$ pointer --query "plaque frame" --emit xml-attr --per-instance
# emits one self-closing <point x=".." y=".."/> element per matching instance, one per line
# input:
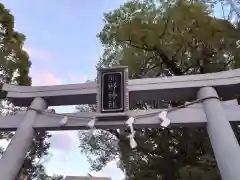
<point x="99" y="101"/>
<point x="122" y="93"/>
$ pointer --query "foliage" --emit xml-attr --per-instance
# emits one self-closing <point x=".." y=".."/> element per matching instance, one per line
<point x="170" y="38"/>
<point x="14" y="61"/>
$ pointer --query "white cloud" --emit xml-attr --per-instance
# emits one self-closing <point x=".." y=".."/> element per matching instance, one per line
<point x="64" y="140"/>
<point x="48" y="77"/>
<point x="38" y="54"/>
<point x="111" y="170"/>
<point x="67" y="159"/>
<point x="45" y="79"/>
<point x="76" y="78"/>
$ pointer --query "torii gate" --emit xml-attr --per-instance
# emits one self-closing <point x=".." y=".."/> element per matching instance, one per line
<point x="211" y="112"/>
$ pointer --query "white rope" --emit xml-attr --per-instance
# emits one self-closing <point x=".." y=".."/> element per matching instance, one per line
<point x="162" y="116"/>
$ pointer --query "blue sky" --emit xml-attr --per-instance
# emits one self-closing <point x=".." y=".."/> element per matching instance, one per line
<point x="63" y="48"/>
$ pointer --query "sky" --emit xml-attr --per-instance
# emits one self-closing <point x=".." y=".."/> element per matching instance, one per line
<point x="63" y="47"/>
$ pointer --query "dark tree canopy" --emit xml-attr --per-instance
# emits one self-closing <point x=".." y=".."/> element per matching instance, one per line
<point x="168" y="38"/>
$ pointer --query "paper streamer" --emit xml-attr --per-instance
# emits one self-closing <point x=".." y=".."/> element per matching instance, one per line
<point x="165" y="120"/>
<point x="131" y="137"/>
<point x="64" y="121"/>
<point x="133" y="143"/>
<point x="91" y="125"/>
<point x="238" y="43"/>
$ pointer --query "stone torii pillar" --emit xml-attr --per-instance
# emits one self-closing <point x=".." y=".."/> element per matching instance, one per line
<point x="224" y="143"/>
<point x="13" y="158"/>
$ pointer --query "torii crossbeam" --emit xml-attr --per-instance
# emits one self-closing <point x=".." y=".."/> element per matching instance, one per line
<point x="212" y="113"/>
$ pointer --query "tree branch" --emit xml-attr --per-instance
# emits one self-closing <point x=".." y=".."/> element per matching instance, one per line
<point x="165" y="27"/>
<point x="173" y="67"/>
<point x="187" y="69"/>
<point x="177" y="51"/>
<point x="228" y="63"/>
<point x="169" y="63"/>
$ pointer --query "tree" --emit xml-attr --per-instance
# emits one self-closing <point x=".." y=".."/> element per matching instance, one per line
<point x="170" y="38"/>
<point x="14" y="69"/>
